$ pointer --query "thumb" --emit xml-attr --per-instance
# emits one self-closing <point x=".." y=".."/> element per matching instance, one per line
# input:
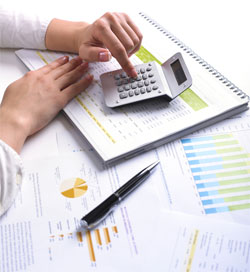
<point x="92" y="53"/>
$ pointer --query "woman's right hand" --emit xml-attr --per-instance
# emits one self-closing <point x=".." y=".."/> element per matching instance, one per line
<point x="32" y="101"/>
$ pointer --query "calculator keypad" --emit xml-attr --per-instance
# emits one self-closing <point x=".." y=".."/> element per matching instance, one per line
<point x="145" y="82"/>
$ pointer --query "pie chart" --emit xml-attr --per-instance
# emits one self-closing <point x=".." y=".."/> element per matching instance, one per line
<point x="73" y="187"/>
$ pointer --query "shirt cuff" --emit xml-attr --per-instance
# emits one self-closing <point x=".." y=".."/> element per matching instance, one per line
<point x="12" y="173"/>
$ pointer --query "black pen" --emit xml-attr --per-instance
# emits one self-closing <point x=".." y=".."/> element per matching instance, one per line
<point x="93" y="218"/>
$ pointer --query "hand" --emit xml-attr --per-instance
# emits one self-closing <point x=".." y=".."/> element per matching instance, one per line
<point x="31" y="102"/>
<point x="113" y="34"/>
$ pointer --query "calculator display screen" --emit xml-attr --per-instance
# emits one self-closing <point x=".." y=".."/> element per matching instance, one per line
<point x="178" y="72"/>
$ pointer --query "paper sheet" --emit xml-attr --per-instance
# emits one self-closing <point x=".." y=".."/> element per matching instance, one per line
<point x="41" y="231"/>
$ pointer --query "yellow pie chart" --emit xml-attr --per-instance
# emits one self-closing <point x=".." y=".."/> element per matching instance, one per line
<point x="73" y="187"/>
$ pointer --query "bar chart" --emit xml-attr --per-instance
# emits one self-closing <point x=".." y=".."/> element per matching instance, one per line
<point x="220" y="167"/>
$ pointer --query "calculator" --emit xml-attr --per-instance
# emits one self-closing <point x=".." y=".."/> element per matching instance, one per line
<point x="153" y="80"/>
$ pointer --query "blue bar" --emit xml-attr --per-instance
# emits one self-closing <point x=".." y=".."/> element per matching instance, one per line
<point x="207" y="168"/>
<point x="208" y="193"/>
<point x="191" y="147"/>
<point x="207" y="185"/>
<point x="208" y="176"/>
<point x="212" y="201"/>
<point x="216" y="210"/>
<point x="202" y="153"/>
<point x="208" y="160"/>
<point x="193" y="140"/>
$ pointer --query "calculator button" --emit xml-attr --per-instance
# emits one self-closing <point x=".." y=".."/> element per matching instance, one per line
<point x="142" y="90"/>
<point x="131" y="80"/>
<point x="144" y="76"/>
<point x="148" y="89"/>
<point x="140" y="84"/>
<point x="138" y="78"/>
<point x="134" y="86"/>
<point x="118" y="82"/>
<point x="123" y="75"/>
<point x="123" y="95"/>
<point x="142" y="70"/>
<point x="131" y="93"/>
<point x="127" y="88"/>
<point x="125" y="81"/>
<point x="137" y="92"/>
<point x="146" y="82"/>
<point x="155" y="87"/>
<point x="120" y="89"/>
<point x="150" y="74"/>
<point x="152" y="81"/>
<point x="117" y="76"/>
<point x="149" y="69"/>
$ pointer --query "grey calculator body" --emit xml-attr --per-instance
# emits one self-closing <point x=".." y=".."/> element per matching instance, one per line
<point x="153" y="80"/>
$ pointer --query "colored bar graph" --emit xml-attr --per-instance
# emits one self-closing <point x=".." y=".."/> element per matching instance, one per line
<point x="115" y="230"/>
<point x="90" y="247"/>
<point x="79" y="236"/>
<point x="221" y="172"/>
<point x="106" y="235"/>
<point x="98" y="237"/>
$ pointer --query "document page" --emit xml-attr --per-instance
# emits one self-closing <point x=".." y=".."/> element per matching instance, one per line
<point x="116" y="132"/>
<point x="42" y="232"/>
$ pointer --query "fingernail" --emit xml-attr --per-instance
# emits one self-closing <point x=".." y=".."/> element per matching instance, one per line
<point x="63" y="59"/>
<point x="104" y="56"/>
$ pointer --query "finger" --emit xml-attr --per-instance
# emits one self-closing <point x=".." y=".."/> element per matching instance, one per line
<point x="53" y="65"/>
<point x="92" y="53"/>
<point x="134" y="27"/>
<point x="116" y="48"/>
<point x="126" y="35"/>
<point x="73" y="90"/>
<point x="63" y="69"/>
<point x="71" y="77"/>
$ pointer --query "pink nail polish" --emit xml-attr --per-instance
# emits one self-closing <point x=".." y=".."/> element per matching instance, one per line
<point x="63" y="59"/>
<point x="104" y="56"/>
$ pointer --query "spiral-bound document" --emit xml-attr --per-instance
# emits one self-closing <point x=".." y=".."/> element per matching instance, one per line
<point x="125" y="131"/>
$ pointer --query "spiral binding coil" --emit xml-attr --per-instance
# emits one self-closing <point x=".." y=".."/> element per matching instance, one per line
<point x="195" y="56"/>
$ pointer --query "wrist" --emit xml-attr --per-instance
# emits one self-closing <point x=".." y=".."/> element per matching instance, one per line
<point x="64" y="35"/>
<point x="12" y="130"/>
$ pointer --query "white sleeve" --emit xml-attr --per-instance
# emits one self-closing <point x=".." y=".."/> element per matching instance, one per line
<point x="19" y="30"/>
<point x="11" y="175"/>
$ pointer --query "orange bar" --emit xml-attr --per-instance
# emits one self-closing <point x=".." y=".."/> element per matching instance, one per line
<point x="90" y="246"/>
<point x="106" y="235"/>
<point x="79" y="236"/>
<point x="98" y="237"/>
<point x="115" y="230"/>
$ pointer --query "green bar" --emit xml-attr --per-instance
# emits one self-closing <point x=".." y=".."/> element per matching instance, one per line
<point x="234" y="190"/>
<point x="236" y="198"/>
<point x="234" y="181"/>
<point x="236" y="164"/>
<point x="193" y="100"/>
<point x="229" y="150"/>
<point x="226" y="143"/>
<point x="236" y="157"/>
<point x="239" y="207"/>
<point x="232" y="173"/>
<point x="225" y="136"/>
<point x="145" y="56"/>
